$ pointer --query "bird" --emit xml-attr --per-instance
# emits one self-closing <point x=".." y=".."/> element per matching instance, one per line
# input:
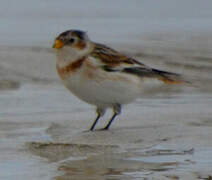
<point x="102" y="76"/>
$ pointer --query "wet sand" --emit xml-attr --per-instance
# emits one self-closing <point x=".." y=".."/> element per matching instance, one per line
<point x="164" y="135"/>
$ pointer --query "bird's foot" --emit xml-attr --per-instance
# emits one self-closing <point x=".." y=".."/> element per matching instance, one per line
<point x="86" y="131"/>
<point x="103" y="129"/>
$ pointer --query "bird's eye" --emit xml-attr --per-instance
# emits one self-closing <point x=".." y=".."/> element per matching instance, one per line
<point x="72" y="40"/>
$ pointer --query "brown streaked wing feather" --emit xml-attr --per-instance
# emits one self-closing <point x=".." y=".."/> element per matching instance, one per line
<point x="111" y="57"/>
<point x="166" y="77"/>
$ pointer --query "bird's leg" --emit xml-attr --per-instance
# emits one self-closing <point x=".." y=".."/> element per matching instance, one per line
<point x="100" y="112"/>
<point x="117" y="111"/>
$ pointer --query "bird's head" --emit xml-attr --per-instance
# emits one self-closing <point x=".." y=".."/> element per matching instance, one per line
<point x="73" y="43"/>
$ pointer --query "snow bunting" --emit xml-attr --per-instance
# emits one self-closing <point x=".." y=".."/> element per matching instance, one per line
<point x="101" y="76"/>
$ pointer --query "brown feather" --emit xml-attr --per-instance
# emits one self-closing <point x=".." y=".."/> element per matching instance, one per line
<point x="113" y="59"/>
<point x="72" y="67"/>
<point x="80" y="45"/>
<point x="110" y="56"/>
<point x="171" y="81"/>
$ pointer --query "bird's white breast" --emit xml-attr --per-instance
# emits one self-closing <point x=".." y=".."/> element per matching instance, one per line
<point x="95" y="86"/>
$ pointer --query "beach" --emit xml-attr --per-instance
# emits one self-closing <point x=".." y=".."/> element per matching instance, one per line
<point x="166" y="134"/>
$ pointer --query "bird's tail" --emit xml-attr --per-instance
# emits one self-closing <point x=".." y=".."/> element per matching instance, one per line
<point x="170" y="78"/>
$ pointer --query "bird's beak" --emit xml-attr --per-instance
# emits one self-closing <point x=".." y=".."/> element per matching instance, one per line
<point x="58" y="44"/>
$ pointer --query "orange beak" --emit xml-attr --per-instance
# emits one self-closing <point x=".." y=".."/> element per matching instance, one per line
<point x="58" y="44"/>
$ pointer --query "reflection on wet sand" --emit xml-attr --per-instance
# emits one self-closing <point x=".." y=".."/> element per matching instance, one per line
<point x="109" y="167"/>
<point x="78" y="161"/>
<point x="93" y="161"/>
<point x="59" y="151"/>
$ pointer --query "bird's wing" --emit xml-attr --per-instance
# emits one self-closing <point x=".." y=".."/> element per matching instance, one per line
<point x="112" y="61"/>
<point x="111" y="57"/>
